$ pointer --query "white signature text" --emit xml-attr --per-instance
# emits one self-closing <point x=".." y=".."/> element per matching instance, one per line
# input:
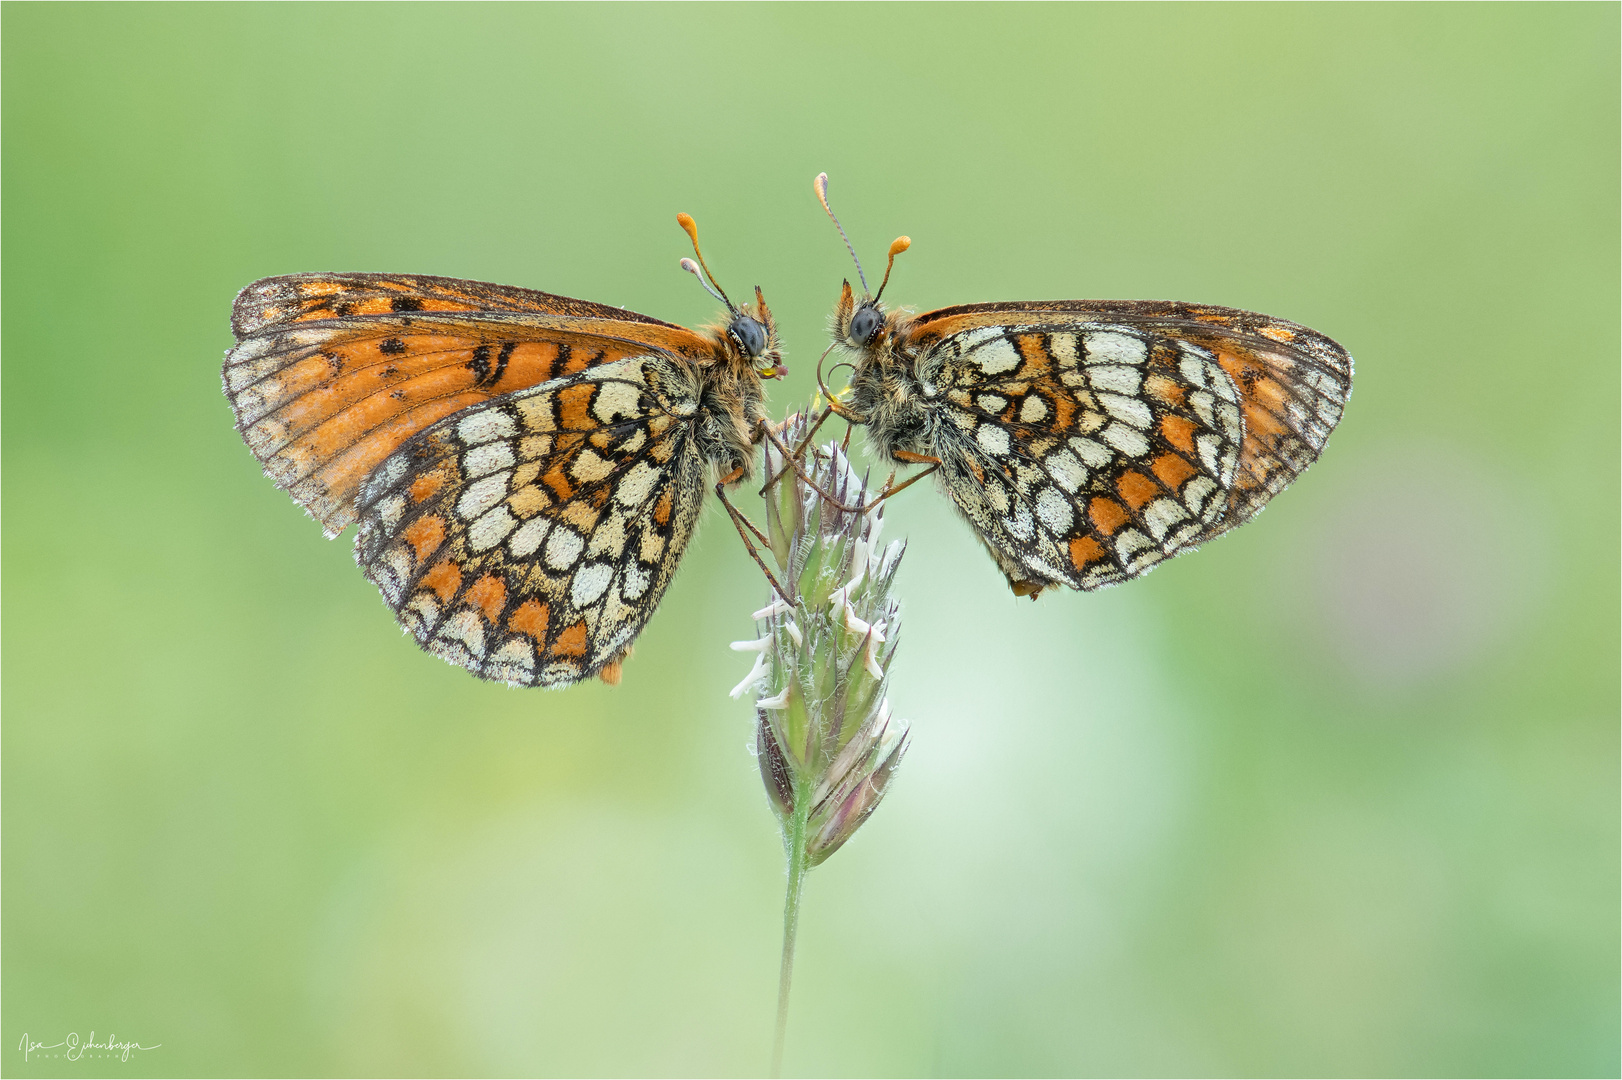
<point x="76" y="1048"/>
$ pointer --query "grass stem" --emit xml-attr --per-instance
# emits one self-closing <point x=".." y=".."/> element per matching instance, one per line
<point x="791" y="921"/>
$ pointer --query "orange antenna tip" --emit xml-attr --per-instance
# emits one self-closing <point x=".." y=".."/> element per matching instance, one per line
<point x="690" y="227"/>
<point x="900" y="244"/>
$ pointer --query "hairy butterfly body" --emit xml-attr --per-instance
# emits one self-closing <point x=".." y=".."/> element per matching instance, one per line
<point x="526" y="469"/>
<point x="1087" y="441"/>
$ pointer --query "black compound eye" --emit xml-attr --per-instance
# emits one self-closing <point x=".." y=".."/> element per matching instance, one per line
<point x="749" y="334"/>
<point x="864" y="326"/>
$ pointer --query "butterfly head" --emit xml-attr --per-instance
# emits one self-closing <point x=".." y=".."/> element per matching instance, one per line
<point x="863" y="324"/>
<point x="751" y="333"/>
<point x="859" y="324"/>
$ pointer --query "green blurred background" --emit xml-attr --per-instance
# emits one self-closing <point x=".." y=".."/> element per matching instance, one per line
<point x="1336" y="795"/>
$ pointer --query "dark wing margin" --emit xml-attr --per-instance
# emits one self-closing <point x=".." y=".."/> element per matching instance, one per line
<point x="295" y="298"/>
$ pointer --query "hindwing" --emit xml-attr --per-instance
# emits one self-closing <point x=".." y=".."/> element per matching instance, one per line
<point x="530" y="538"/>
<point x="1088" y="441"/>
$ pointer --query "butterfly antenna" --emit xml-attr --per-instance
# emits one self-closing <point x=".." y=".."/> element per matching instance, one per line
<point x="714" y="287"/>
<point x="900" y="244"/>
<point x="821" y="184"/>
<point x="692" y="268"/>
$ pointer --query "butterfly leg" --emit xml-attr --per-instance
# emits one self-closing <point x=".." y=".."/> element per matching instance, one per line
<point x="805" y="442"/>
<point x="794" y="463"/>
<point x="738" y="522"/>
<point x="764" y="431"/>
<point x="892" y="488"/>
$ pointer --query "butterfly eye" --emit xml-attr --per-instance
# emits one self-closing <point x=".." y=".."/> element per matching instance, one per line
<point x="749" y="334"/>
<point x="864" y="327"/>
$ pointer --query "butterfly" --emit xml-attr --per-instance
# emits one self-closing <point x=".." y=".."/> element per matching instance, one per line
<point x="526" y="469"/>
<point x="1086" y="441"/>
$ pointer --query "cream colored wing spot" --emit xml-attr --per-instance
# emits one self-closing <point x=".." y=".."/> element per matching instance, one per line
<point x="995" y="356"/>
<point x="635" y="486"/>
<point x="563" y="547"/>
<point x="485" y="425"/>
<point x="589" y="583"/>
<point x="1069" y="473"/>
<point x="617" y="400"/>
<point x="1161" y="515"/>
<point x="1020" y="522"/>
<point x="992" y="439"/>
<point x="609" y="537"/>
<point x="1095" y="454"/>
<point x="488" y="458"/>
<point x="482" y="495"/>
<point x="1055" y="511"/>
<point x="1127" y="439"/>
<point x="528" y="536"/>
<point x="1116" y="379"/>
<point x="1063" y="347"/>
<point x="1127" y="409"/>
<point x="590" y="468"/>
<point x="636" y="582"/>
<point x="1110" y="347"/>
<point x="490" y="529"/>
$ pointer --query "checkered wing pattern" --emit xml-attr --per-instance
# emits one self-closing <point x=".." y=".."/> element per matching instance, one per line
<point x="529" y="538"/>
<point x="1086" y="444"/>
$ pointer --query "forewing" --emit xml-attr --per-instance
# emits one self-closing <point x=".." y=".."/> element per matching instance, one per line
<point x="1095" y="440"/>
<point x="297" y="298"/>
<point x="529" y="538"/>
<point x="322" y="402"/>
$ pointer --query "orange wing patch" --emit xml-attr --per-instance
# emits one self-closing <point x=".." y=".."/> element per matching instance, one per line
<point x="443" y="580"/>
<point x="489" y="595"/>
<point x="425" y="535"/>
<point x="1292" y="395"/>
<point x="530" y="618"/>
<point x="1086" y="552"/>
<point x="322" y="404"/>
<point x="1107" y="515"/>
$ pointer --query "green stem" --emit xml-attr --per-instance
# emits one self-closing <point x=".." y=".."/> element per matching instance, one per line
<point x="791" y="918"/>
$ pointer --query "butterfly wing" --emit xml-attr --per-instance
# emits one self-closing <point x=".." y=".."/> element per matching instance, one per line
<point x="296" y="298"/>
<point x="530" y="537"/>
<point x="332" y="372"/>
<point x="1087" y="441"/>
